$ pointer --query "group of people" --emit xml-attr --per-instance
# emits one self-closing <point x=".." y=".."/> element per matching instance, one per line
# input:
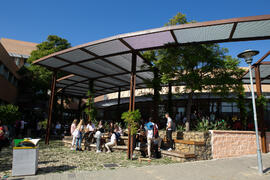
<point x="153" y="137"/>
<point x="91" y="133"/>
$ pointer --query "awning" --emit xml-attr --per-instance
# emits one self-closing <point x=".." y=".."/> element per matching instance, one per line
<point x="108" y="61"/>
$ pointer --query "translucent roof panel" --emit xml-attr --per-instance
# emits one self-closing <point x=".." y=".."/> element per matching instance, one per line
<point x="208" y="33"/>
<point x="103" y="67"/>
<point x="78" y="88"/>
<point x="146" y="75"/>
<point x="252" y="29"/>
<point x="82" y="85"/>
<point x="53" y="62"/>
<point x="76" y="55"/>
<point x="82" y="71"/>
<point x="109" y="47"/>
<point x="66" y="81"/>
<point x="150" y="40"/>
<point x="123" y="60"/>
<point x="59" y="85"/>
<point x="264" y="71"/>
<point x="104" y="85"/>
<point x="114" y="81"/>
<point x="77" y="78"/>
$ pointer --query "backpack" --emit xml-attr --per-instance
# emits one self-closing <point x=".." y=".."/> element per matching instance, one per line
<point x="155" y="131"/>
<point x="117" y="135"/>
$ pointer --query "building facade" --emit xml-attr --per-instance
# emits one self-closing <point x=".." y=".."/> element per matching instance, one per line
<point x="13" y="56"/>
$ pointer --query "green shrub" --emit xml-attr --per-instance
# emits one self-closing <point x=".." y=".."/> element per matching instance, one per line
<point x="9" y="113"/>
<point x="206" y="125"/>
<point x="132" y="119"/>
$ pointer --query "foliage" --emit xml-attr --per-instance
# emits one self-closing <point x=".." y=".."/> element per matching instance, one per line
<point x="201" y="67"/>
<point x="220" y="125"/>
<point x="205" y="125"/>
<point x="180" y="128"/>
<point x="132" y="118"/>
<point x="90" y="109"/>
<point x="43" y="123"/>
<point x="9" y="114"/>
<point x="261" y="101"/>
<point x="40" y="76"/>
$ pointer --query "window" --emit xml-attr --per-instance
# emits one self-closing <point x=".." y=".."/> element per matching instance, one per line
<point x="2" y="69"/>
<point x="229" y="107"/>
<point x="213" y="107"/>
<point x="17" y="61"/>
<point x="268" y="107"/>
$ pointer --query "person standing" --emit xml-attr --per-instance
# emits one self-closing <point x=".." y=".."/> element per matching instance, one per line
<point x="169" y="131"/>
<point x="72" y="129"/>
<point x="78" y="133"/>
<point x="149" y="134"/>
<point x="98" y="135"/>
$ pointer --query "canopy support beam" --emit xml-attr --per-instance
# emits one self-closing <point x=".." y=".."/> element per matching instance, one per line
<point x="118" y="103"/>
<point x="91" y="96"/>
<point x="51" y="101"/>
<point x="261" y="109"/>
<point x="132" y="101"/>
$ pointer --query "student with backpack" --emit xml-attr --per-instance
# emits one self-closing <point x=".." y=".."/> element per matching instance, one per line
<point x="149" y="127"/>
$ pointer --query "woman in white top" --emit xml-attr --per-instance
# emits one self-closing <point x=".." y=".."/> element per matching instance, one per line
<point x="78" y="134"/>
<point x="72" y="129"/>
<point x="111" y="143"/>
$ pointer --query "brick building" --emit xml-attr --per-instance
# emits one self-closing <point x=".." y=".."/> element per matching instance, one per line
<point x="13" y="55"/>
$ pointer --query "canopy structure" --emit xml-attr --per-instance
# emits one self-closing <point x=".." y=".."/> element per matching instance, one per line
<point x="115" y="63"/>
<point x="108" y="61"/>
<point x="260" y="75"/>
<point x="260" y="72"/>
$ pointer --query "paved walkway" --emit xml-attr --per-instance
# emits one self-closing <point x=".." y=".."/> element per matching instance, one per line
<point x="228" y="169"/>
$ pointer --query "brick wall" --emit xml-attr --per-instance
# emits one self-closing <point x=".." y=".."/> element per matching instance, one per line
<point x="234" y="143"/>
<point x="268" y="141"/>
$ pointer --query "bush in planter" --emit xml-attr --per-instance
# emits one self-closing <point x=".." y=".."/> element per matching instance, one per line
<point x="206" y="125"/>
<point x="132" y="118"/>
<point x="180" y="129"/>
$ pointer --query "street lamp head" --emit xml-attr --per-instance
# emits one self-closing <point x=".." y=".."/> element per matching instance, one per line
<point x="248" y="55"/>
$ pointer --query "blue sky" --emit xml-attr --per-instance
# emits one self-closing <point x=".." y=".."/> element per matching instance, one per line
<point x="83" y="21"/>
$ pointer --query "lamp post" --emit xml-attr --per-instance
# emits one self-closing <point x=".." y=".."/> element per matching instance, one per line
<point x="248" y="56"/>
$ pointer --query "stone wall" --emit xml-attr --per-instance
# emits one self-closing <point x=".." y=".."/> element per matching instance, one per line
<point x="234" y="143"/>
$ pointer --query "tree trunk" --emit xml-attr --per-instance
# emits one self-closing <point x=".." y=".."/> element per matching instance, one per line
<point x="189" y="105"/>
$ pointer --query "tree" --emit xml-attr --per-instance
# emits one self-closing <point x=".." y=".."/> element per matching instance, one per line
<point x="40" y="76"/>
<point x="154" y="83"/>
<point x="201" y="67"/>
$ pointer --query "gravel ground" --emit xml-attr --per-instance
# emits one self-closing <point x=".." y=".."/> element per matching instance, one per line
<point x="58" y="158"/>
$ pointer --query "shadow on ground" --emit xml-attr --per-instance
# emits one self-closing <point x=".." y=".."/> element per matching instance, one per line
<point x="267" y="170"/>
<point x="47" y="162"/>
<point x="53" y="169"/>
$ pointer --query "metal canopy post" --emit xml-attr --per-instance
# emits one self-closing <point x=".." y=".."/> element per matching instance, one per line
<point x="91" y="89"/>
<point x="170" y="99"/>
<point x="132" y="101"/>
<point x="118" y="103"/>
<point x="261" y="109"/>
<point x="79" y="109"/>
<point x="156" y="97"/>
<point x="51" y="101"/>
